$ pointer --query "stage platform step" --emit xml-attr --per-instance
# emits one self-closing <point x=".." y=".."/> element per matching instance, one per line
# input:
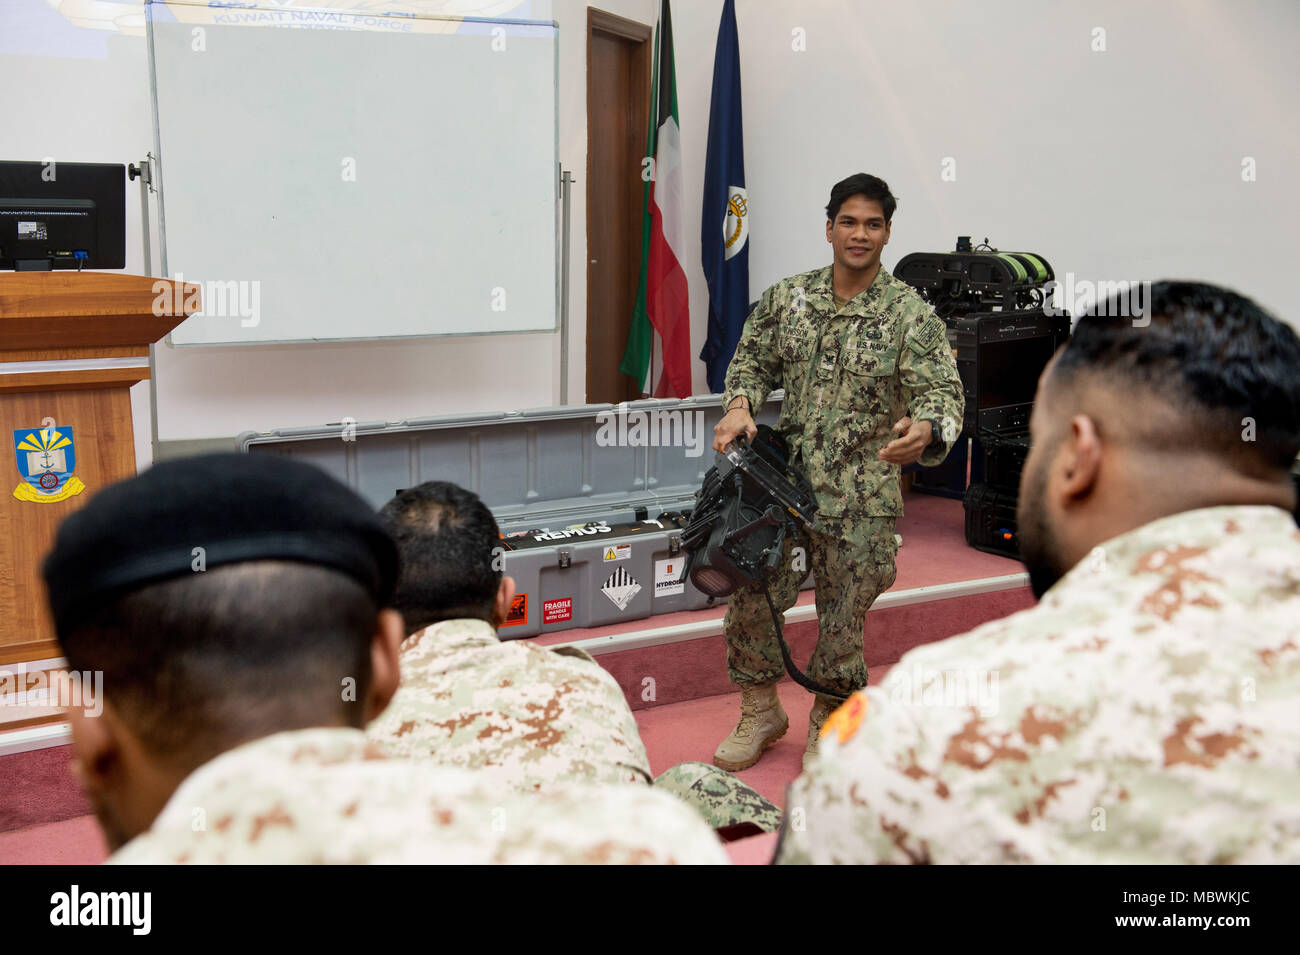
<point x="686" y="660"/>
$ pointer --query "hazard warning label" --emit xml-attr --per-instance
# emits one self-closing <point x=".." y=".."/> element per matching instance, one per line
<point x="518" y="613"/>
<point x="557" y="610"/>
<point x="666" y="574"/>
<point x="620" y="587"/>
<point x="618" y="552"/>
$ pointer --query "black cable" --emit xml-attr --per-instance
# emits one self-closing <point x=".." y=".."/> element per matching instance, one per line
<point x="796" y="674"/>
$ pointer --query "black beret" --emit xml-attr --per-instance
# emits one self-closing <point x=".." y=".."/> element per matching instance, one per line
<point x="237" y="507"/>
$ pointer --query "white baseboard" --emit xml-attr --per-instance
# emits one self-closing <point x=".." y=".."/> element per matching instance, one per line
<point x="29" y="738"/>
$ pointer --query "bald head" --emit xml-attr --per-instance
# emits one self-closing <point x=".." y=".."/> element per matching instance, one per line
<point x="1195" y="404"/>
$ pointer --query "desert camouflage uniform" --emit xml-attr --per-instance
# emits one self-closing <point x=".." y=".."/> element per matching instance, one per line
<point x="526" y="715"/>
<point x="530" y="717"/>
<point x="324" y="796"/>
<point x="1146" y="711"/>
<point x="849" y="373"/>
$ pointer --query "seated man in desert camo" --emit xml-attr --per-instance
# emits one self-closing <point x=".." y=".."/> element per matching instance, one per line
<point x="239" y="609"/>
<point x="525" y="715"/>
<point x="1147" y="710"/>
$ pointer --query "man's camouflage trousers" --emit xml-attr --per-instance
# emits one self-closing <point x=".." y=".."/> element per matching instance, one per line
<point x="852" y="561"/>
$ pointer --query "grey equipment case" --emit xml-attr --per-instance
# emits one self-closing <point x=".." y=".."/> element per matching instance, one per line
<point x="605" y="491"/>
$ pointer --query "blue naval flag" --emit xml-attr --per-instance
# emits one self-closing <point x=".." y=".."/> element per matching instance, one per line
<point x="724" y="228"/>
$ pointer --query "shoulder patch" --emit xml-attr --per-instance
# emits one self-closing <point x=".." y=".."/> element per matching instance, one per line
<point x="929" y="332"/>
<point x="845" y="721"/>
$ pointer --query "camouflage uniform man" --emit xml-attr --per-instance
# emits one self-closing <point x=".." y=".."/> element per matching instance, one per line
<point x="238" y="610"/>
<point x="863" y="360"/>
<point x="1146" y="711"/>
<point x="247" y="807"/>
<point x="528" y="717"/>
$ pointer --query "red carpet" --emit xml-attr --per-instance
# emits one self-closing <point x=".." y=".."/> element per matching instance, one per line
<point x="72" y="842"/>
<point x="39" y="788"/>
<point x="692" y="730"/>
<point x="756" y="850"/>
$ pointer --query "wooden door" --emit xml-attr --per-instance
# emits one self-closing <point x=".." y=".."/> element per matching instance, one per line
<point x="618" y="109"/>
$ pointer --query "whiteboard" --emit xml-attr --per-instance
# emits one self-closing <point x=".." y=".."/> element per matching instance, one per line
<point x="359" y="177"/>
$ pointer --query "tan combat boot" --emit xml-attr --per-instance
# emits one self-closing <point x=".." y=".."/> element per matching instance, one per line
<point x="822" y="708"/>
<point x="762" y="723"/>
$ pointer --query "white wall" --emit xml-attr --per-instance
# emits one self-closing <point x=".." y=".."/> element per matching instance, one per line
<point x="1123" y="164"/>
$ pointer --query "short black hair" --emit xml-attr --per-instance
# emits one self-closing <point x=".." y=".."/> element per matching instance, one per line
<point x="198" y="664"/>
<point x="1213" y="354"/>
<point x="862" y="184"/>
<point x="449" y="543"/>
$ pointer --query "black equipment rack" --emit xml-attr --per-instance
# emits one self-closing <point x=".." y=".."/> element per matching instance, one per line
<point x="1003" y="329"/>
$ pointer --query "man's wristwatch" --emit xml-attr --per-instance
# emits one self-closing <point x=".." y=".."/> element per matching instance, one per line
<point x="936" y="434"/>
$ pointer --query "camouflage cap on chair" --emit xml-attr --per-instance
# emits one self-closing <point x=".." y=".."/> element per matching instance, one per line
<point x="720" y="797"/>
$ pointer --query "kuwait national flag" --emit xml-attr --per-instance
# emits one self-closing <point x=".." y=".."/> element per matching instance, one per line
<point x="724" y="228"/>
<point x="661" y="298"/>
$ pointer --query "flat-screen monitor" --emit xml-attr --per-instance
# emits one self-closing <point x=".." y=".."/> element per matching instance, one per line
<point x="62" y="215"/>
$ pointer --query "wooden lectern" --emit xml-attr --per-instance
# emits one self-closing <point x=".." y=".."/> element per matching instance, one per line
<point x="71" y="346"/>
